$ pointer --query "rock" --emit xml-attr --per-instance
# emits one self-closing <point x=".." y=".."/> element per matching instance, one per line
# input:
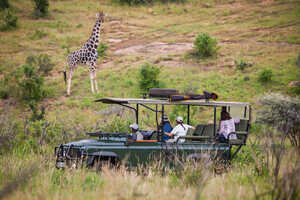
<point x="207" y="5"/>
<point x="294" y="83"/>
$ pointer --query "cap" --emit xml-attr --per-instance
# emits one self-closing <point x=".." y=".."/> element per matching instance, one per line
<point x="165" y="118"/>
<point x="179" y="119"/>
<point x="134" y="126"/>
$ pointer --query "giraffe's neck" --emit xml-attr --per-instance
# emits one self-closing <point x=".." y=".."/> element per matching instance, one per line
<point x="95" y="37"/>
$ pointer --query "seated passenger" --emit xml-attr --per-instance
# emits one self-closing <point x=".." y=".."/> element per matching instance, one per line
<point x="136" y="134"/>
<point x="166" y="128"/>
<point x="227" y="126"/>
<point x="179" y="130"/>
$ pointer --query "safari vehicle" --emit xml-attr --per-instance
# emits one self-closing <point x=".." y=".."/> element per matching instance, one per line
<point x="115" y="148"/>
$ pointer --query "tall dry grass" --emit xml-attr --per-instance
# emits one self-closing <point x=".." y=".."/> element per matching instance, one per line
<point x="273" y="173"/>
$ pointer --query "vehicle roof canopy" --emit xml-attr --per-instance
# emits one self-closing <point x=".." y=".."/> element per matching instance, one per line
<point x="167" y="102"/>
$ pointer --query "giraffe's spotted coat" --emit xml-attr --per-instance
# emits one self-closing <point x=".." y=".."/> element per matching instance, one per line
<point x="86" y="55"/>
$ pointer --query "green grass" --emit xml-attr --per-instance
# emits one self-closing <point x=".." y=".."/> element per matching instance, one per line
<point x="268" y="35"/>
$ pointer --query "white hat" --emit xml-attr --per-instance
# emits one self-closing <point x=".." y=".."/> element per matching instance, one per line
<point x="134" y="126"/>
<point x="179" y="119"/>
<point x="165" y="118"/>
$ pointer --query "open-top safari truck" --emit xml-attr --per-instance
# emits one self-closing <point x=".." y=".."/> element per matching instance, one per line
<point x="114" y="148"/>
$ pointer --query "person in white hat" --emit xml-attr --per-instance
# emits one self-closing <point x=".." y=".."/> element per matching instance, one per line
<point x="136" y="135"/>
<point x="179" y="130"/>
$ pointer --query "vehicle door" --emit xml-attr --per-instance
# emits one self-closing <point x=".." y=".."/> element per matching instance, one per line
<point x="140" y="153"/>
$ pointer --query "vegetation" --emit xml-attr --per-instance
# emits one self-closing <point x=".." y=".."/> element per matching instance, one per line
<point x="41" y="8"/>
<point x="4" y="4"/>
<point x="9" y="21"/>
<point x="102" y="49"/>
<point x="242" y="64"/>
<point x="138" y="2"/>
<point x="283" y="113"/>
<point x="156" y="33"/>
<point x="265" y="76"/>
<point x="149" y="77"/>
<point x="42" y="62"/>
<point x="205" y="46"/>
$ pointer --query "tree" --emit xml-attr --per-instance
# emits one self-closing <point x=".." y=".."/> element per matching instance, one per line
<point x="283" y="113"/>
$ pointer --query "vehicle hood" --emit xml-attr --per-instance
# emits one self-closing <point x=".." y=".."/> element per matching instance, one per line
<point x="82" y="142"/>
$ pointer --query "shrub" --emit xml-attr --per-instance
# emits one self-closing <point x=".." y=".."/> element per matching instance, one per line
<point x="148" y="77"/>
<point x="101" y="49"/>
<point x="265" y="75"/>
<point x="38" y="35"/>
<point x="43" y="62"/>
<point x="31" y="85"/>
<point x="41" y="8"/>
<point x="242" y="64"/>
<point x="36" y="114"/>
<point x="4" y="4"/>
<point x="282" y="113"/>
<point x="10" y="21"/>
<point x="4" y="89"/>
<point x="298" y="61"/>
<point x="137" y="2"/>
<point x="205" y="46"/>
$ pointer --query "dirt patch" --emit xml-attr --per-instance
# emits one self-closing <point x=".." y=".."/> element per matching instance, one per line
<point x="156" y="47"/>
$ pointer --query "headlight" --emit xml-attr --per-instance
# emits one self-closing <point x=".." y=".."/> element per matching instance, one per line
<point x="60" y="164"/>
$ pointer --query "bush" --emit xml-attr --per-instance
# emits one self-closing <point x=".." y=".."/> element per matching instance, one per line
<point x="242" y="64"/>
<point x="148" y="77"/>
<point x="38" y="35"/>
<point x="298" y="61"/>
<point x="31" y="85"/>
<point x="265" y="75"/>
<point x="4" y="4"/>
<point x="101" y="49"/>
<point x="282" y="113"/>
<point x="138" y="2"/>
<point x="42" y="62"/>
<point x="10" y="21"/>
<point x="205" y="46"/>
<point x="41" y="8"/>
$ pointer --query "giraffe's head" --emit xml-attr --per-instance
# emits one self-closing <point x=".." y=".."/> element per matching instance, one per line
<point x="101" y="16"/>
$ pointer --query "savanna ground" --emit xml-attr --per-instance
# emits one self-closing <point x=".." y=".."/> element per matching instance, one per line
<point x="266" y="33"/>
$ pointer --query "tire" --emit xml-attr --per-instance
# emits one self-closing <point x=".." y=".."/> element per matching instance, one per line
<point x="162" y="92"/>
<point x="100" y="163"/>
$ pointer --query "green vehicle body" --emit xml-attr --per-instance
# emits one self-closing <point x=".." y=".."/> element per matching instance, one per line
<point x="117" y="148"/>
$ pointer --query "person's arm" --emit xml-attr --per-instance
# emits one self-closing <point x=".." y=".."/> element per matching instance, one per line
<point x="168" y="134"/>
<point x="221" y="130"/>
<point x="189" y="126"/>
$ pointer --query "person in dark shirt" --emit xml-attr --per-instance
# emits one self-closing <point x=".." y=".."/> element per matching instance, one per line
<point x="166" y="128"/>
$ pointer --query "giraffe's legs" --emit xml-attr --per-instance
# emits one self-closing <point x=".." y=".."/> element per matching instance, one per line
<point x="96" y="84"/>
<point x="69" y="82"/>
<point x="92" y="81"/>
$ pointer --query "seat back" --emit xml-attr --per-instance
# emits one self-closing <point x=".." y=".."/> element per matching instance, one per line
<point x="243" y="128"/>
<point x="198" y="130"/>
<point x="204" y="130"/>
<point x="147" y="135"/>
<point x="208" y="130"/>
<point x="242" y="125"/>
<point x="190" y="132"/>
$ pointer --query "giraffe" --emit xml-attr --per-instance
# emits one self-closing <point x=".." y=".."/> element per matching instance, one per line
<point x="86" y="55"/>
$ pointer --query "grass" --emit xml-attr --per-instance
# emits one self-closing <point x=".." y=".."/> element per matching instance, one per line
<point x="249" y="176"/>
<point x="266" y="34"/>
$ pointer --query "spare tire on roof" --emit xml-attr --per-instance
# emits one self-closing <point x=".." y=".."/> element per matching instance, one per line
<point x="162" y="92"/>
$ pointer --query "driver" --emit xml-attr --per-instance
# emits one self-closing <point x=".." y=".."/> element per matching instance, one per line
<point x="179" y="130"/>
<point x="136" y="134"/>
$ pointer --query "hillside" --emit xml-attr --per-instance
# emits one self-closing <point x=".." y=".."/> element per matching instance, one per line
<point x="264" y="33"/>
